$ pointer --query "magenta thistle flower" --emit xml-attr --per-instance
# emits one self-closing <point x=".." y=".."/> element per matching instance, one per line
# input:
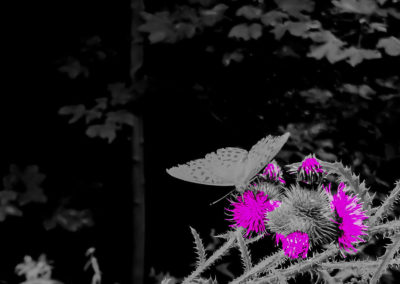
<point x="273" y="172"/>
<point x="294" y="244"/>
<point x="349" y="217"/>
<point x="310" y="169"/>
<point x="250" y="211"/>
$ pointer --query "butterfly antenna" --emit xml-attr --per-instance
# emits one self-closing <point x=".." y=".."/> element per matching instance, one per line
<point x="221" y="198"/>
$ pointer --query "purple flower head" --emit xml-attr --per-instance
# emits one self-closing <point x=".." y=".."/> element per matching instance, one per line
<point x="310" y="169"/>
<point x="294" y="244"/>
<point x="273" y="172"/>
<point x="250" y="209"/>
<point x="350" y="218"/>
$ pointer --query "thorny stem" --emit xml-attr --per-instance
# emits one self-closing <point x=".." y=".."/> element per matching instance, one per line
<point x="301" y="266"/>
<point x="387" y="257"/>
<point x="392" y="225"/>
<point x="385" y="207"/>
<point x="216" y="255"/>
<point x="264" y="264"/>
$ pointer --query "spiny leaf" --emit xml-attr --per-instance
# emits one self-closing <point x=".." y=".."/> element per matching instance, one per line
<point x="201" y="252"/>
<point x="359" y="264"/>
<point x="386" y="206"/>
<point x="387" y="229"/>
<point x="244" y="252"/>
<point x="344" y="274"/>
<point x="302" y="265"/>
<point x="168" y="280"/>
<point x="326" y="277"/>
<point x="270" y="261"/>
<point x="346" y="175"/>
<point x="391" y="250"/>
<point x="395" y="263"/>
<point x="213" y="258"/>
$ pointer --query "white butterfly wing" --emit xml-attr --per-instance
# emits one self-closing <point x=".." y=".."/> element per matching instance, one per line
<point x="218" y="168"/>
<point x="228" y="163"/>
<point x="263" y="152"/>
<point x="230" y="166"/>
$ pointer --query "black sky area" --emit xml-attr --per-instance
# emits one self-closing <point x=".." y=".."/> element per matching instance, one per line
<point x="38" y="36"/>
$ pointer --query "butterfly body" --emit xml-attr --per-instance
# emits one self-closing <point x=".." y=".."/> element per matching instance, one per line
<point x="230" y="166"/>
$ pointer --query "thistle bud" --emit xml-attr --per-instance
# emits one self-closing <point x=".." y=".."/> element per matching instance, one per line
<point x="310" y="170"/>
<point x="273" y="172"/>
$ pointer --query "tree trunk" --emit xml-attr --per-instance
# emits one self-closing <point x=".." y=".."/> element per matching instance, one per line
<point x="138" y="181"/>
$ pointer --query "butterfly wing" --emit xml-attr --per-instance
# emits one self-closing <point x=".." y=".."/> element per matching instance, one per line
<point x="217" y="168"/>
<point x="230" y="166"/>
<point x="228" y="163"/>
<point x="263" y="152"/>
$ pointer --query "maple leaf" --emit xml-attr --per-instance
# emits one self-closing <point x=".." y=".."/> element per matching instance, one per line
<point x="77" y="112"/>
<point x="357" y="55"/>
<point x="365" y="7"/>
<point x="295" y="7"/>
<point x="211" y="16"/>
<point x="158" y="26"/>
<point x="249" y="12"/>
<point x="331" y="49"/>
<point x="274" y="17"/>
<point x="391" y="45"/>
<point x="246" y="32"/>
<point x="106" y="131"/>
<point x="236" y="56"/>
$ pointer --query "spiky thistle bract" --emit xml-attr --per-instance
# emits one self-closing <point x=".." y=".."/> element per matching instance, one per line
<point x="305" y="211"/>
<point x="310" y="170"/>
<point x="274" y="192"/>
<point x="273" y="173"/>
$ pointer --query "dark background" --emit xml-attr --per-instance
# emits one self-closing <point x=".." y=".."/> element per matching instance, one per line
<point x="234" y="106"/>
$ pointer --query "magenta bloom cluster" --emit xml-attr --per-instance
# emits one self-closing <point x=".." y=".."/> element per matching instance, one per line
<point x="273" y="173"/>
<point x="250" y="211"/>
<point x="349" y="210"/>
<point x="295" y="244"/>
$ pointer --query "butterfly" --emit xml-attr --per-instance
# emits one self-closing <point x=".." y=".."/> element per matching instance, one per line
<point x="231" y="166"/>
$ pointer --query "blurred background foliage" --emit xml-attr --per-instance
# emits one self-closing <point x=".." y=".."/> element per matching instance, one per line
<point x="215" y="73"/>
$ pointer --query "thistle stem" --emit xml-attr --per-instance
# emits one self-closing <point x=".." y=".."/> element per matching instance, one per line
<point x="262" y="265"/>
<point x="216" y="255"/>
